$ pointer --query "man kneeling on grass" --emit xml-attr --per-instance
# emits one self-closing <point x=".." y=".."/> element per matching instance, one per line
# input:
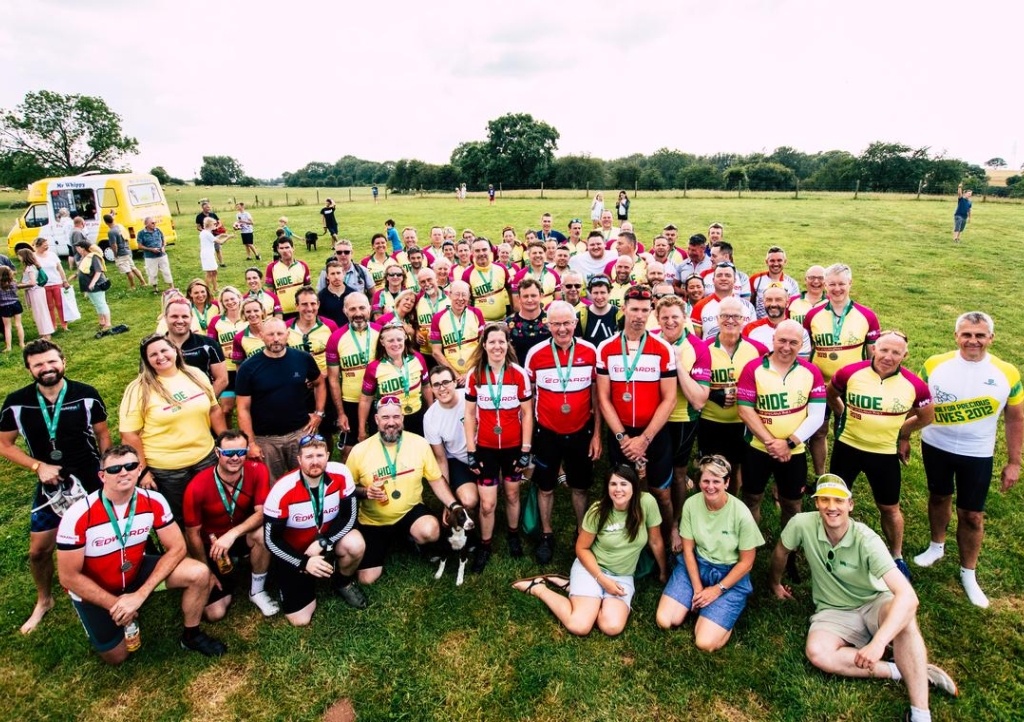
<point x="102" y="560"/>
<point x="862" y="601"/>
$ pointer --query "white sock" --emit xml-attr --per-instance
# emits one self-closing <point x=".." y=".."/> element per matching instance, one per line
<point x="259" y="581"/>
<point x="934" y="552"/>
<point x="920" y="715"/>
<point x="974" y="593"/>
<point x="894" y="672"/>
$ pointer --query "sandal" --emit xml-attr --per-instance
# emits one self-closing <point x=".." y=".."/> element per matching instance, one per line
<point x="533" y="581"/>
<point x="559" y="582"/>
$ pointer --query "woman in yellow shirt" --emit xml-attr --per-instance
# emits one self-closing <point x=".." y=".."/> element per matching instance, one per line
<point x="167" y="414"/>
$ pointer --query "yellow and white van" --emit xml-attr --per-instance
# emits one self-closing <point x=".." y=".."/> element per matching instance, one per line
<point x="128" y="197"/>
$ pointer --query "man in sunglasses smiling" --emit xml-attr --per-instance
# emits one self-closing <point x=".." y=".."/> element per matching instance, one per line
<point x="102" y="560"/>
<point x="862" y="601"/>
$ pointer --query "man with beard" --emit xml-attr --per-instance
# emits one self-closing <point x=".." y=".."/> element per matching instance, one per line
<point x="593" y="262"/>
<point x="774" y="301"/>
<point x="349" y="350"/>
<point x="267" y="386"/>
<point x="390" y="467"/>
<point x="572" y="287"/>
<point x="223" y="515"/>
<point x="310" y="332"/>
<point x="622" y="280"/>
<point x="432" y="300"/>
<point x="309" y="520"/>
<point x="697" y="261"/>
<point x="64" y="424"/>
<point x="199" y="351"/>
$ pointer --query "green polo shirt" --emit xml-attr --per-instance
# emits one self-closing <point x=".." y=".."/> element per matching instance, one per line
<point x="858" y="563"/>
<point x="614" y="551"/>
<point x="719" y="535"/>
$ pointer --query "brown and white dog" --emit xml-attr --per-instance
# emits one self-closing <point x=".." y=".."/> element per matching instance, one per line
<point x="458" y="538"/>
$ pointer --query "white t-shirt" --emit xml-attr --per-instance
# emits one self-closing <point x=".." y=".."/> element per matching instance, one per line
<point x="588" y="266"/>
<point x="50" y="262"/>
<point x="968" y="398"/>
<point x="444" y="426"/>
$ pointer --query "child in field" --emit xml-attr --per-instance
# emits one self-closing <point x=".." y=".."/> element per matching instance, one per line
<point x="282" y="222"/>
<point x="10" y="308"/>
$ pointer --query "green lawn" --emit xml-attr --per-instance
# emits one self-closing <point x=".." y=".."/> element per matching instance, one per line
<point x="426" y="650"/>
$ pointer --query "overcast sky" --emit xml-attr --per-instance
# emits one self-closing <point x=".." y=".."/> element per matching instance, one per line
<point x="279" y="84"/>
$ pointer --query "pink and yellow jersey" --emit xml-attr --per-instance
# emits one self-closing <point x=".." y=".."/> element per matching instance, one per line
<point x="384" y="301"/>
<point x="635" y="400"/>
<point x="799" y="306"/>
<point x="426" y="309"/>
<point x="223" y="331"/>
<point x="693" y="356"/>
<point x="503" y="412"/>
<point x="313" y="342"/>
<point x="351" y="351"/>
<point x="285" y="280"/>
<point x="377" y="269"/>
<point x="840" y="340"/>
<point x="550" y="282"/>
<point x="875" y="407"/>
<point x="383" y="378"/>
<point x="244" y="345"/>
<point x="489" y="288"/>
<point x="781" y="401"/>
<point x="458" y="338"/>
<point x="725" y="372"/>
<point x="617" y="293"/>
<point x="270" y="302"/>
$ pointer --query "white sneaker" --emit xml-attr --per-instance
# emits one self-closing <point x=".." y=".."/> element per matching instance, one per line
<point x="266" y="604"/>
<point x="929" y="556"/>
<point x="938" y="677"/>
<point x="974" y="592"/>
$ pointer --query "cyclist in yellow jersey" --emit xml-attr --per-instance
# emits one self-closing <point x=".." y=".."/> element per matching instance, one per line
<point x="455" y="332"/>
<point x="814" y="295"/>
<point x="431" y="301"/>
<point x="349" y="351"/>
<point x="488" y="283"/>
<point x="286" y="276"/>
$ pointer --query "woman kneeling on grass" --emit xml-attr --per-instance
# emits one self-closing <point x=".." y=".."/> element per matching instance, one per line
<point x="600" y="585"/>
<point x="720" y="538"/>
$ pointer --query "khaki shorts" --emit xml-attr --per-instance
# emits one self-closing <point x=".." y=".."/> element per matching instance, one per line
<point x="125" y="264"/>
<point x="856" y="626"/>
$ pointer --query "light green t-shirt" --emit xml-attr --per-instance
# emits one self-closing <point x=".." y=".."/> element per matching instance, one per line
<point x="719" y="535"/>
<point x="615" y="553"/>
<point x="853" y="576"/>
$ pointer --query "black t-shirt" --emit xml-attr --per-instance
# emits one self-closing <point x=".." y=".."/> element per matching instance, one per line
<point x="82" y="408"/>
<point x="202" y="352"/>
<point x="330" y="220"/>
<point x="527" y="333"/>
<point x="203" y="216"/>
<point x="333" y="307"/>
<point x="560" y="238"/>
<point x="277" y="388"/>
<point x="598" y="328"/>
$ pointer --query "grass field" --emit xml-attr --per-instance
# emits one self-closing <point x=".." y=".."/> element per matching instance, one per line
<point x="425" y="650"/>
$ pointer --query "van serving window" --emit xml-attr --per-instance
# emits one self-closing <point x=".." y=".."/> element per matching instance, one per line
<point x="79" y="202"/>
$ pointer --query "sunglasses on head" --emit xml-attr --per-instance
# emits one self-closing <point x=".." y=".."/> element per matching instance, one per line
<point x="638" y="293"/>
<point x="309" y="439"/>
<point x="117" y="468"/>
<point x="229" y="453"/>
<point x="715" y="460"/>
<point x="894" y="332"/>
<point x="389" y="401"/>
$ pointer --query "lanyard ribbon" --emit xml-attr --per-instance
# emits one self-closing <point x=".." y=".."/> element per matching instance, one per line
<point x="51" y="421"/>
<point x="229" y="507"/>
<point x="630" y="366"/>
<point x="122" y="537"/>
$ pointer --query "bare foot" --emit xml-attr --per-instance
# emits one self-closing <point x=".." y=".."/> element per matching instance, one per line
<point x="41" y="608"/>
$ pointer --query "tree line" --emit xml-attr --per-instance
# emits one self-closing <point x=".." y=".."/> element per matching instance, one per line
<point x="54" y="134"/>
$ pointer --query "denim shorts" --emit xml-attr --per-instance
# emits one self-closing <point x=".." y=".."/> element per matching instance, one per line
<point x="583" y="584"/>
<point x="725" y="610"/>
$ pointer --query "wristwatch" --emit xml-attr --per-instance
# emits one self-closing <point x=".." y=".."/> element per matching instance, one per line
<point x="620" y="436"/>
<point x="319" y="413"/>
<point x="791" y="444"/>
<point x="325" y="544"/>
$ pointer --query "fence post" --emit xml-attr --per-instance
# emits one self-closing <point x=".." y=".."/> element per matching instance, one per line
<point x="318" y="196"/>
<point x="920" y="185"/>
<point x="178" y="207"/>
<point x="685" y="183"/>
<point x="856" y="191"/>
<point x="542" y="190"/>
<point x="501" y="190"/>
<point x="349" y="196"/>
<point x="286" y="199"/>
<point x="739" y="189"/>
<point x="257" y="202"/>
<point x="636" y="187"/>
<point x="588" y="189"/>
<point x="797" y="193"/>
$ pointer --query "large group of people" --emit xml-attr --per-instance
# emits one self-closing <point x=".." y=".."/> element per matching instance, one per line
<point x="474" y="366"/>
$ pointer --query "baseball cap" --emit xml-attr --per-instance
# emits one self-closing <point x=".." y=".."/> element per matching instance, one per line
<point x="832" y="485"/>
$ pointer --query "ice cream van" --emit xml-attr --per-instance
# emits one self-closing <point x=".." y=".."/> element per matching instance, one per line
<point x="129" y="197"/>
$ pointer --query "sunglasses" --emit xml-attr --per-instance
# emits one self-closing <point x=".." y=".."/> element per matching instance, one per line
<point x="639" y="293"/>
<point x="831" y="558"/>
<point x="894" y="332"/>
<point x="715" y="460"/>
<point x="575" y="220"/>
<point x="572" y="285"/>
<point x="726" y="264"/>
<point x="395" y="275"/>
<point x="343" y="253"/>
<point x="117" y="468"/>
<point x="309" y="439"/>
<point x="233" y="453"/>
<point x="389" y="401"/>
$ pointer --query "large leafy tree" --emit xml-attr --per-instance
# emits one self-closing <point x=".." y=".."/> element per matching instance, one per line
<point x="66" y="134"/>
<point x="520" y="150"/>
<point x="220" y="170"/>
